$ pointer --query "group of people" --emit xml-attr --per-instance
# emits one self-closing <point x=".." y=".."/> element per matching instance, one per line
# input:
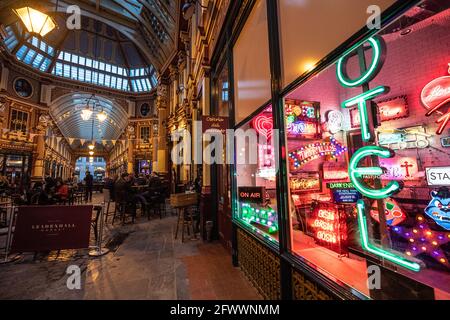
<point x="122" y="188"/>
<point x="48" y="191"/>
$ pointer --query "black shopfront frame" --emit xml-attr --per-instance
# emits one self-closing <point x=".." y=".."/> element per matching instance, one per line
<point x="223" y="56"/>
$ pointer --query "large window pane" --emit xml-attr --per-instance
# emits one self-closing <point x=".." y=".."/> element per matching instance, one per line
<point x="303" y="23"/>
<point x="251" y="64"/>
<point x="322" y="139"/>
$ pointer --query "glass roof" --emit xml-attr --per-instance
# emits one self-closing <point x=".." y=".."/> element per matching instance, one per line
<point x="41" y="56"/>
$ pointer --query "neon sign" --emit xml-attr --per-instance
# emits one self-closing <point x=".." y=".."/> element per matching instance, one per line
<point x="364" y="105"/>
<point x="302" y="127"/>
<point x="310" y="152"/>
<point x="263" y="216"/>
<point x="393" y="109"/>
<point x="335" y="171"/>
<point x="361" y="102"/>
<point x="358" y="173"/>
<point x="302" y="119"/>
<point x="304" y="184"/>
<point x="264" y="125"/>
<point x="405" y="138"/>
<point x="439" y="207"/>
<point x="434" y="96"/>
<point x="394" y="214"/>
<point x="335" y="121"/>
<point x="404" y="168"/>
<point x="329" y="228"/>
<point x="300" y="111"/>
<point x="266" y="162"/>
<point x="368" y="246"/>
<point x="423" y="240"/>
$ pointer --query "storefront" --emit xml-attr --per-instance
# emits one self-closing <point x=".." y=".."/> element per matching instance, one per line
<point x="349" y="194"/>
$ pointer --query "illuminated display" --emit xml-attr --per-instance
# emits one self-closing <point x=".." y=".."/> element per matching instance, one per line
<point x="423" y="240"/>
<point x="363" y="103"/>
<point x="302" y="128"/>
<point x="266" y="217"/>
<point x="335" y="121"/>
<point x="439" y="207"/>
<point x="335" y="171"/>
<point x="394" y="214"/>
<point x="435" y="96"/>
<point x="377" y="45"/>
<point x="302" y="119"/>
<point x="393" y="109"/>
<point x="357" y="173"/>
<point x="370" y="247"/>
<point x="404" y="168"/>
<point x="331" y="149"/>
<point x="263" y="124"/>
<point x="304" y="184"/>
<point x="328" y="228"/>
<point x="266" y="162"/>
<point x="406" y="138"/>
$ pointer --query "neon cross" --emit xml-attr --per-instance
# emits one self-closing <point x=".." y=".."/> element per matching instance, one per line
<point x="406" y="165"/>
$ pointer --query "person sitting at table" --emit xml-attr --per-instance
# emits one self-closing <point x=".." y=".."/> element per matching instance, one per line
<point x="62" y="191"/>
<point x="154" y="184"/>
<point x="40" y="196"/>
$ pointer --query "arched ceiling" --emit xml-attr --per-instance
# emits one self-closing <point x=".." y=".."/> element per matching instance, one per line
<point x="136" y="33"/>
<point x="66" y="112"/>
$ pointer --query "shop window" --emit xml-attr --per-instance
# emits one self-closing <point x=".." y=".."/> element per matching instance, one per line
<point x="256" y="205"/>
<point x="341" y="223"/>
<point x="303" y="22"/>
<point x="19" y="121"/>
<point x="251" y="64"/>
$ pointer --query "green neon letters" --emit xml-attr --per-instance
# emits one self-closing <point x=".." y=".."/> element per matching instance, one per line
<point x="364" y="235"/>
<point x="361" y="100"/>
<point x="356" y="173"/>
<point x="377" y="61"/>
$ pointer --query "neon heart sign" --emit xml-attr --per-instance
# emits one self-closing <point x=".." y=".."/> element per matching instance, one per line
<point x="264" y="125"/>
<point x="434" y="96"/>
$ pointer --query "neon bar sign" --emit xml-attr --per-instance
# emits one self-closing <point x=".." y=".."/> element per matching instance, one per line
<point x="434" y="96"/>
<point x="357" y="173"/>
<point x="314" y="151"/>
<point x="328" y="228"/>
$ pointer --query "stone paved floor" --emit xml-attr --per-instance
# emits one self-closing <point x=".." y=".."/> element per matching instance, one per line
<point x="145" y="262"/>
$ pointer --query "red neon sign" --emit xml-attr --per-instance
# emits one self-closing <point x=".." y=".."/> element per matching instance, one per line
<point x="436" y="95"/>
<point x="263" y="125"/>
<point x="329" y="228"/>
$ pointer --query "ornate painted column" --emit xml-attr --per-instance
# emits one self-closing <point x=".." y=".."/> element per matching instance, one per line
<point x="38" y="170"/>
<point x="160" y="148"/>
<point x="131" y="136"/>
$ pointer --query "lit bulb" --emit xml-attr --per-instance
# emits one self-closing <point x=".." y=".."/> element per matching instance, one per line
<point x="86" y="114"/>
<point x="101" y="116"/>
<point x="91" y="147"/>
<point x="91" y="153"/>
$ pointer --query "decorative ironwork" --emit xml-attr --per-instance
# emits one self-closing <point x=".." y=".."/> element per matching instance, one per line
<point x="305" y="289"/>
<point x="260" y="265"/>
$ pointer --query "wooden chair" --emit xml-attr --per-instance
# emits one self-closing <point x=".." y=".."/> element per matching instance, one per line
<point x="123" y="209"/>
